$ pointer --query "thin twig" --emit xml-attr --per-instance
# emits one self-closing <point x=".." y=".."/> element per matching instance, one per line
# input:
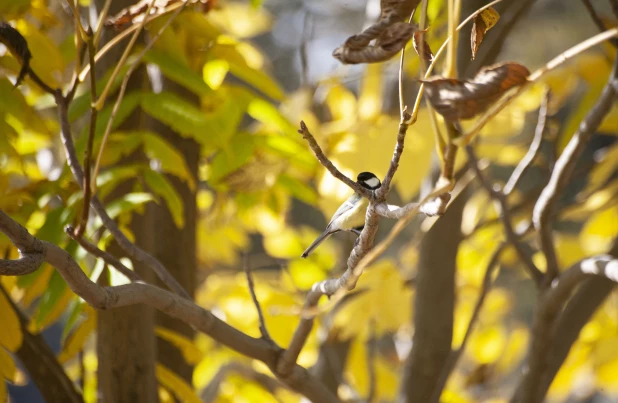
<point x="598" y="21"/>
<point x="107" y="257"/>
<point x="99" y="297"/>
<point x="78" y="23"/>
<point x="319" y="154"/>
<point x="535" y="76"/>
<point x="563" y="171"/>
<point x="123" y="59"/>
<point x="123" y="88"/>
<point x="129" y="247"/>
<point x="91" y="132"/>
<point x="247" y="269"/>
<point x="451" y="363"/>
<point x="505" y="214"/>
<point x="534" y="149"/>
<point x="436" y="56"/>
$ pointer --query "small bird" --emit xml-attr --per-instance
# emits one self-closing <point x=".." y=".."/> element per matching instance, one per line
<point x="350" y="216"/>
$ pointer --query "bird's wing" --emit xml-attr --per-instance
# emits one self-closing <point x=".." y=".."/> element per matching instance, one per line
<point x="345" y="207"/>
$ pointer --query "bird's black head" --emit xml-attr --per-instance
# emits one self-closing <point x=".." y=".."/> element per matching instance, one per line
<point x="368" y="180"/>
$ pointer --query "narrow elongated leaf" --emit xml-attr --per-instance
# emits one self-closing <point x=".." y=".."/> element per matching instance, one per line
<point x="10" y="336"/>
<point x="171" y="160"/>
<point x="190" y="352"/>
<point x="175" y="112"/>
<point x="162" y="187"/>
<point x="241" y="148"/>
<point x="482" y="23"/>
<point x="183" y="391"/>
<point x="177" y="71"/>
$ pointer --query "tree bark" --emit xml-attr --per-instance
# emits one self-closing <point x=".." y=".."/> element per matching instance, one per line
<point x="126" y="345"/>
<point x="176" y="247"/>
<point x="433" y="306"/>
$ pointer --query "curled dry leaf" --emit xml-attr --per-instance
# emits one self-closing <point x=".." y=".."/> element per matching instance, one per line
<point x="390" y="41"/>
<point x="17" y="45"/>
<point x="483" y="22"/>
<point x="401" y="8"/>
<point x="421" y="46"/>
<point x="390" y="32"/>
<point x="455" y="99"/>
<point x="135" y="13"/>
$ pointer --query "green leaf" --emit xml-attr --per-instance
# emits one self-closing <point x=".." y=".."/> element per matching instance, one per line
<point x="75" y="309"/>
<point x="81" y="103"/>
<point x="258" y="79"/>
<point x="175" y="112"/>
<point x="178" y="71"/>
<point x="110" y="178"/>
<point x="50" y="231"/>
<point x="127" y="106"/>
<point x="265" y="112"/>
<point x="172" y="161"/>
<point x="241" y="149"/>
<point x="298" y="189"/>
<point x="13" y="104"/>
<point x="128" y="203"/>
<point x="52" y="295"/>
<point x="162" y="187"/>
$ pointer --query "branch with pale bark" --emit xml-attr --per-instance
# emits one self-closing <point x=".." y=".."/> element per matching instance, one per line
<point x="33" y="252"/>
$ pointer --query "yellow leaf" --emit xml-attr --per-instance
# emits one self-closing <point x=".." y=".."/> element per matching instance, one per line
<point x="3" y="392"/>
<point x="241" y="19"/>
<point x="610" y="123"/>
<point x="214" y="73"/>
<point x="55" y="313"/>
<point x="178" y="386"/>
<point x="515" y="349"/>
<point x="370" y="97"/>
<point x="46" y="60"/>
<point x="387" y="377"/>
<point x="306" y="272"/>
<point x="341" y="103"/>
<point x="190" y="352"/>
<point x="77" y="338"/>
<point x="10" y="336"/>
<point x="7" y="366"/>
<point x="599" y="231"/>
<point x="487" y="344"/>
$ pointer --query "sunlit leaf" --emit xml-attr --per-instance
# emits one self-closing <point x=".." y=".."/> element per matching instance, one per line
<point x="11" y="336"/>
<point x="241" y="19"/>
<point x="174" y="383"/>
<point x="190" y="352"/>
<point x="75" y="341"/>
<point x="483" y="22"/>
<point x="175" y="112"/>
<point x="161" y="186"/>
<point x="8" y="370"/>
<point x="214" y="73"/>
<point x="178" y="71"/>
<point x="599" y="231"/>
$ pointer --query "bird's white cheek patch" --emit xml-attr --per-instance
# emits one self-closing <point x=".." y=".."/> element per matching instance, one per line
<point x="373" y="182"/>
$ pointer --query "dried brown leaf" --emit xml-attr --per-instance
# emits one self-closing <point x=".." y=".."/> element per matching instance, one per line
<point x="483" y="22"/>
<point x="455" y="99"/>
<point x="390" y="41"/>
<point x="135" y="13"/>
<point x="401" y="8"/>
<point x="17" y="45"/>
<point x="421" y="46"/>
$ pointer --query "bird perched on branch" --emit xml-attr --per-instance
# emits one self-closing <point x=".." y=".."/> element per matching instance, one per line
<point x="350" y="216"/>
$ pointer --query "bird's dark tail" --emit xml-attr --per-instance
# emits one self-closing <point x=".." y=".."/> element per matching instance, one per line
<point x="316" y="243"/>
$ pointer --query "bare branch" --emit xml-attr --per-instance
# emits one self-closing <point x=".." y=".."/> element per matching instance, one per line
<point x="597" y="20"/>
<point x="534" y="149"/>
<point x="106" y="256"/>
<point x="130" y="248"/>
<point x="563" y="171"/>
<point x="263" y="329"/>
<point x="505" y="215"/>
<point x="315" y="147"/>
<point x="392" y="169"/>
<point x="550" y="304"/>
<point x="178" y="307"/>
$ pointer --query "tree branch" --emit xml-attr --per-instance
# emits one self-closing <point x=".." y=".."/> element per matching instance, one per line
<point x="597" y="20"/>
<point x="263" y="330"/>
<point x="530" y="389"/>
<point x="563" y="171"/>
<point x="140" y="293"/>
<point x="505" y="215"/>
<point x="319" y="154"/>
<point x="130" y="248"/>
<point x="533" y="150"/>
